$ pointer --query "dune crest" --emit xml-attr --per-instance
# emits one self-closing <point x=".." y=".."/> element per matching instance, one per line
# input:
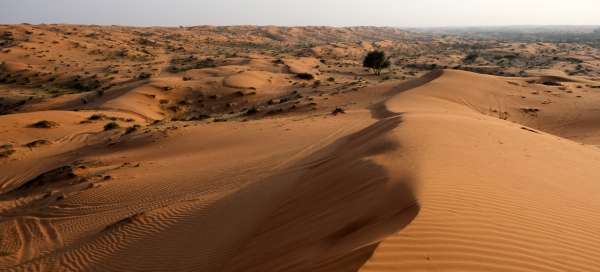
<point x="509" y="212"/>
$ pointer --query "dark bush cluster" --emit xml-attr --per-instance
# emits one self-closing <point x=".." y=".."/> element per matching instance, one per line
<point x="377" y="60"/>
<point x="305" y="76"/>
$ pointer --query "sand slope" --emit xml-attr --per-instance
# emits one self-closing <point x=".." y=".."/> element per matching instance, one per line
<point x="201" y="209"/>
<point x="441" y="173"/>
<point x="495" y="196"/>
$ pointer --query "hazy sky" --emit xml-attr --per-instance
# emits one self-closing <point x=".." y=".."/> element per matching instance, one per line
<point x="303" y="12"/>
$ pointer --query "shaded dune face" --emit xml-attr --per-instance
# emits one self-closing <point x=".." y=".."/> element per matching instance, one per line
<point x="330" y="212"/>
<point x="324" y="212"/>
<point x="342" y="206"/>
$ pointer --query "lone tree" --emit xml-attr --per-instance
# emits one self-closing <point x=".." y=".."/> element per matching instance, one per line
<point x="377" y="61"/>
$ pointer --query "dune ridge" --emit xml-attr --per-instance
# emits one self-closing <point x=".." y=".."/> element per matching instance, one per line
<point x="529" y="215"/>
<point x="344" y="237"/>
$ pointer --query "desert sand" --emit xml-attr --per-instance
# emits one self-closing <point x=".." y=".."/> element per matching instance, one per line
<point x="204" y="149"/>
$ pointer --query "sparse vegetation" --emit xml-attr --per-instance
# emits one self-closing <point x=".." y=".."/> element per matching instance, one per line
<point x="252" y="111"/>
<point x="470" y="58"/>
<point x="305" y="76"/>
<point x="179" y="65"/>
<point x="6" y="146"/>
<point x="132" y="129"/>
<point x="5" y="153"/>
<point x="96" y="117"/>
<point x="45" y="124"/>
<point x="377" y="61"/>
<point x="111" y="126"/>
<point x="144" y="75"/>
<point x="337" y="111"/>
<point x="37" y="143"/>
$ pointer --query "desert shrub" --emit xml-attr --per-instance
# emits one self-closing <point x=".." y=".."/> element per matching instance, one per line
<point x="191" y="62"/>
<point x="338" y="111"/>
<point x="470" y="58"/>
<point x="37" y="143"/>
<point x="7" y="153"/>
<point x="111" y="126"/>
<point x="551" y="83"/>
<point x="144" y="75"/>
<point x="45" y="124"/>
<point x="96" y="117"/>
<point x="377" y="61"/>
<point x="305" y="76"/>
<point x="199" y="117"/>
<point x="239" y="94"/>
<point x="6" y="146"/>
<point x="6" y="150"/>
<point x="132" y="129"/>
<point x="252" y="111"/>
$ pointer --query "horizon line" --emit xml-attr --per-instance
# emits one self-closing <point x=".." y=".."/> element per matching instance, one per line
<point x="301" y="26"/>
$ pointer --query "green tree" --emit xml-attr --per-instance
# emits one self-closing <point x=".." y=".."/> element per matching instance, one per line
<point x="377" y="60"/>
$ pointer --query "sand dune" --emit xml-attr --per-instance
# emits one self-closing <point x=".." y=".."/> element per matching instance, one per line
<point x="519" y="210"/>
<point x="228" y="161"/>
<point x="254" y="80"/>
<point x="204" y="189"/>
<point x="327" y="196"/>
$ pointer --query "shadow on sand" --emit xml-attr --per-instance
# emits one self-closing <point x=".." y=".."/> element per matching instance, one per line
<point x="342" y="203"/>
